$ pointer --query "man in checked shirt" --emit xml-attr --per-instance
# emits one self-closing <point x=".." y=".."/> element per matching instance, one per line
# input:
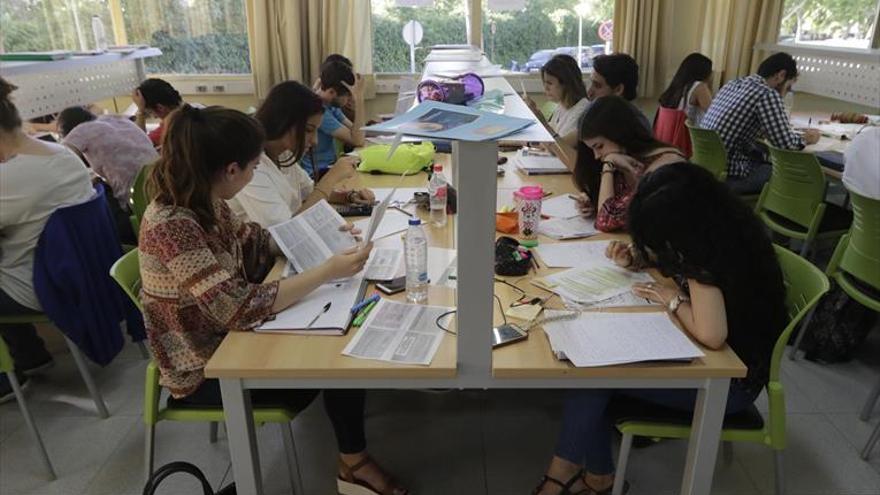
<point x="751" y="108"/>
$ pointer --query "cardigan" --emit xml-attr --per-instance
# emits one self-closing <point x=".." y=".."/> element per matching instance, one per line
<point x="199" y="284"/>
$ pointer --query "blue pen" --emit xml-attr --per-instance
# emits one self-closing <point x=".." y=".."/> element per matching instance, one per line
<point x="357" y="307"/>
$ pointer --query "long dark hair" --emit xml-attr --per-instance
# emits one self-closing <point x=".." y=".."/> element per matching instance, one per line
<point x="197" y="145"/>
<point x="615" y="119"/>
<point x="288" y="106"/>
<point x="565" y="69"/>
<point x="10" y="120"/>
<point x="695" y="67"/>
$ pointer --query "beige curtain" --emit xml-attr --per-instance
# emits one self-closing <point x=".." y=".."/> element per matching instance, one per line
<point x="289" y="39"/>
<point x="730" y="31"/>
<point x="637" y="32"/>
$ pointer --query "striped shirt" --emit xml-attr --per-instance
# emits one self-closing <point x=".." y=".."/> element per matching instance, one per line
<point x="742" y="112"/>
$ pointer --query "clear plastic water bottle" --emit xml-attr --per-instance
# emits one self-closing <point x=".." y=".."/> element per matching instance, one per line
<point x="99" y="33"/>
<point x="416" y="253"/>
<point x="437" y="192"/>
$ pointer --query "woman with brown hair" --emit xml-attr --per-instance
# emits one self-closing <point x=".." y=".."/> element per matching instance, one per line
<point x="201" y="269"/>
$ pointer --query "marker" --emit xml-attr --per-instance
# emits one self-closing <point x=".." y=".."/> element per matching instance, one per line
<point x="359" y="319"/>
<point x="361" y="305"/>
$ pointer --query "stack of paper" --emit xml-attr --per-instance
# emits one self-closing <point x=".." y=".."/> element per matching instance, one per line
<point x="604" y="339"/>
<point x="399" y="333"/>
<point x="567" y="228"/>
<point x="538" y="163"/>
<point x="592" y="281"/>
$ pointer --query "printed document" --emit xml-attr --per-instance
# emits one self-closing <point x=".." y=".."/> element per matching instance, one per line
<point x="399" y="333"/>
<point x="592" y="282"/>
<point x="570" y="254"/>
<point x="560" y="206"/>
<point x="604" y="339"/>
<point x="567" y="228"/>
<point x="311" y="237"/>
<point x="384" y="263"/>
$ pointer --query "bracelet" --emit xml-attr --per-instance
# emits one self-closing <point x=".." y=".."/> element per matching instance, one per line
<point x="350" y="196"/>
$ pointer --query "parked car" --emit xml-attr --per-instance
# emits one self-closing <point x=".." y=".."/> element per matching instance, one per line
<point x="537" y="60"/>
<point x="586" y="54"/>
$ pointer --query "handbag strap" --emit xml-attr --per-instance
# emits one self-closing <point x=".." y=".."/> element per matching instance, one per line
<point x="176" y="467"/>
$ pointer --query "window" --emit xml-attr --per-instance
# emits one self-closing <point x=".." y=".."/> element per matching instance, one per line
<point x="195" y="36"/>
<point x="831" y="23"/>
<point x="443" y="22"/>
<point x="527" y="37"/>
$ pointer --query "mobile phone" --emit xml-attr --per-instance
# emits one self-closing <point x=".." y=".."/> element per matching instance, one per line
<point x="507" y="334"/>
<point x="392" y="286"/>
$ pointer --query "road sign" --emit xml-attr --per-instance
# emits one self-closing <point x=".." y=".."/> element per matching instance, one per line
<point x="413" y="32"/>
<point x="606" y="30"/>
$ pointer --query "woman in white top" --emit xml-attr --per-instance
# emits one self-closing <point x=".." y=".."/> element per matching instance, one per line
<point x="563" y="84"/>
<point x="36" y="178"/>
<point x="689" y="90"/>
<point x="291" y="115"/>
<point x="861" y="173"/>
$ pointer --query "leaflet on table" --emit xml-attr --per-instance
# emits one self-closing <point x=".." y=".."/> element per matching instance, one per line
<point x="626" y="299"/>
<point x="592" y="281"/>
<point x="604" y="339"/>
<point x="342" y="296"/>
<point x="399" y="333"/>
<point x="567" y="228"/>
<point x="571" y="254"/>
<point x="384" y="263"/>
<point x="311" y="237"/>
<point x="438" y="120"/>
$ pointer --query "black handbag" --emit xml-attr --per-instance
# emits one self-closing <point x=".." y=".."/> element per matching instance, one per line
<point x="511" y="259"/>
<point x="184" y="467"/>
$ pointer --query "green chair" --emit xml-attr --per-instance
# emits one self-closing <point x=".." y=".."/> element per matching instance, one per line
<point x="708" y="151"/>
<point x="793" y="203"/>
<point x="78" y="358"/>
<point x="126" y="272"/>
<point x="8" y="366"/>
<point x="804" y="286"/>
<point x="548" y="108"/>
<point x="138" y="198"/>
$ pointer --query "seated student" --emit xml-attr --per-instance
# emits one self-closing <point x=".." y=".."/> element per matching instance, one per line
<point x="686" y="99"/>
<point x="611" y="135"/>
<point x="750" y="108"/>
<point x="348" y="108"/>
<point x="861" y="174"/>
<point x="291" y="115"/>
<point x="201" y="267"/>
<point x="155" y="97"/>
<point x="728" y="288"/>
<point x="616" y="74"/>
<point x="337" y="87"/>
<point x="112" y="145"/>
<point x="563" y="84"/>
<point x="36" y="178"/>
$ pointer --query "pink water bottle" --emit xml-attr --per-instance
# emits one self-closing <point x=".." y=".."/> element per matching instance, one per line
<point x="528" y="201"/>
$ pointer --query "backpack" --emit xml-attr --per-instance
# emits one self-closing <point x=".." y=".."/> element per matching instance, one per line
<point x="408" y="157"/>
<point x="838" y="327"/>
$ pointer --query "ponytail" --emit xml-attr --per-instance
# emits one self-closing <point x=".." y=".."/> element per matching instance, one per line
<point x="10" y="120"/>
<point x="198" y="144"/>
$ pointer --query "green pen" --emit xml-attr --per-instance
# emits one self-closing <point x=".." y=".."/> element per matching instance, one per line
<point x="359" y="319"/>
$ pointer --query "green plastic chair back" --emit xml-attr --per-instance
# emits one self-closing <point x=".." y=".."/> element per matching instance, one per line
<point x="548" y="108"/>
<point x="804" y="286"/>
<point x="138" y="199"/>
<point x="127" y="273"/>
<point x="858" y="252"/>
<point x="795" y="192"/>
<point x="708" y="151"/>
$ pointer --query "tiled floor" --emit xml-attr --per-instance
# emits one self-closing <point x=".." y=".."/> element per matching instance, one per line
<point x="470" y="442"/>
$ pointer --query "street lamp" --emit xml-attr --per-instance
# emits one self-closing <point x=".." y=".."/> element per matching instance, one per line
<point x="581" y="9"/>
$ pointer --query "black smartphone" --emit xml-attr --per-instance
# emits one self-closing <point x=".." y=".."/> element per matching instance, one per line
<point x="392" y="286"/>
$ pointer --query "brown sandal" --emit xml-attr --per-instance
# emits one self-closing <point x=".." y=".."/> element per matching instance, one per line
<point x="347" y="484"/>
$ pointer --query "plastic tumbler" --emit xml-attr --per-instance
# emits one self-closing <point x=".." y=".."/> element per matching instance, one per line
<point x="528" y="203"/>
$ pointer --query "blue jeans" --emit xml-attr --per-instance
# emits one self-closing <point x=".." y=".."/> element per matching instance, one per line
<point x="586" y="429"/>
<point x="752" y="183"/>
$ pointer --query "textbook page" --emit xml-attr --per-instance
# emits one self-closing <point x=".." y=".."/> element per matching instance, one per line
<point x="570" y="254"/>
<point x="567" y="228"/>
<point x="342" y="296"/>
<point x="604" y="339"/>
<point x="311" y="237"/>
<point x="399" y="333"/>
<point x="593" y="281"/>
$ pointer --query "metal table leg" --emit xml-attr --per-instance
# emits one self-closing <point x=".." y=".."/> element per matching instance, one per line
<point x="242" y="437"/>
<point x="705" y="436"/>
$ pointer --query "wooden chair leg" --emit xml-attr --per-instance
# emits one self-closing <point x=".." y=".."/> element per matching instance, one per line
<point x="32" y="427"/>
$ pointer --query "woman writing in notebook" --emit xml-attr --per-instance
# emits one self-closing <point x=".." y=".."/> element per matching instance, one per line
<point x="291" y="115"/>
<point x="614" y="152"/>
<point x="201" y="269"/>
<point x="726" y="287"/>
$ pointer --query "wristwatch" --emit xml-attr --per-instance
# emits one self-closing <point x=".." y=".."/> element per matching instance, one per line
<point x="675" y="302"/>
<point x="608" y="167"/>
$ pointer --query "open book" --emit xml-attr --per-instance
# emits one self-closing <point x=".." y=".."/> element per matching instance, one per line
<point x="312" y="237"/>
<point x="341" y="295"/>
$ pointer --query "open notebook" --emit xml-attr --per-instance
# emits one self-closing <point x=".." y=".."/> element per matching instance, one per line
<point x="342" y="296"/>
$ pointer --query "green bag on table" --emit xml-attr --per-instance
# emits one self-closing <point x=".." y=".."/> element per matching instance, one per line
<point x="408" y="157"/>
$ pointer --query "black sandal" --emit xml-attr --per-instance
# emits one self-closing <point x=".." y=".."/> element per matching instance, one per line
<point x="566" y="487"/>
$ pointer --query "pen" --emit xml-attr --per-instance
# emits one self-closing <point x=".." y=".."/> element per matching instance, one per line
<point x="326" y="307"/>
<point x="359" y="319"/>
<point x="367" y="300"/>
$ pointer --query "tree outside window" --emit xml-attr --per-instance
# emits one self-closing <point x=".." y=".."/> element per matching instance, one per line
<point x="833" y="23"/>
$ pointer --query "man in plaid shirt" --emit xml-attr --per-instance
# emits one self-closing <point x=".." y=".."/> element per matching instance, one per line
<point x="751" y="108"/>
